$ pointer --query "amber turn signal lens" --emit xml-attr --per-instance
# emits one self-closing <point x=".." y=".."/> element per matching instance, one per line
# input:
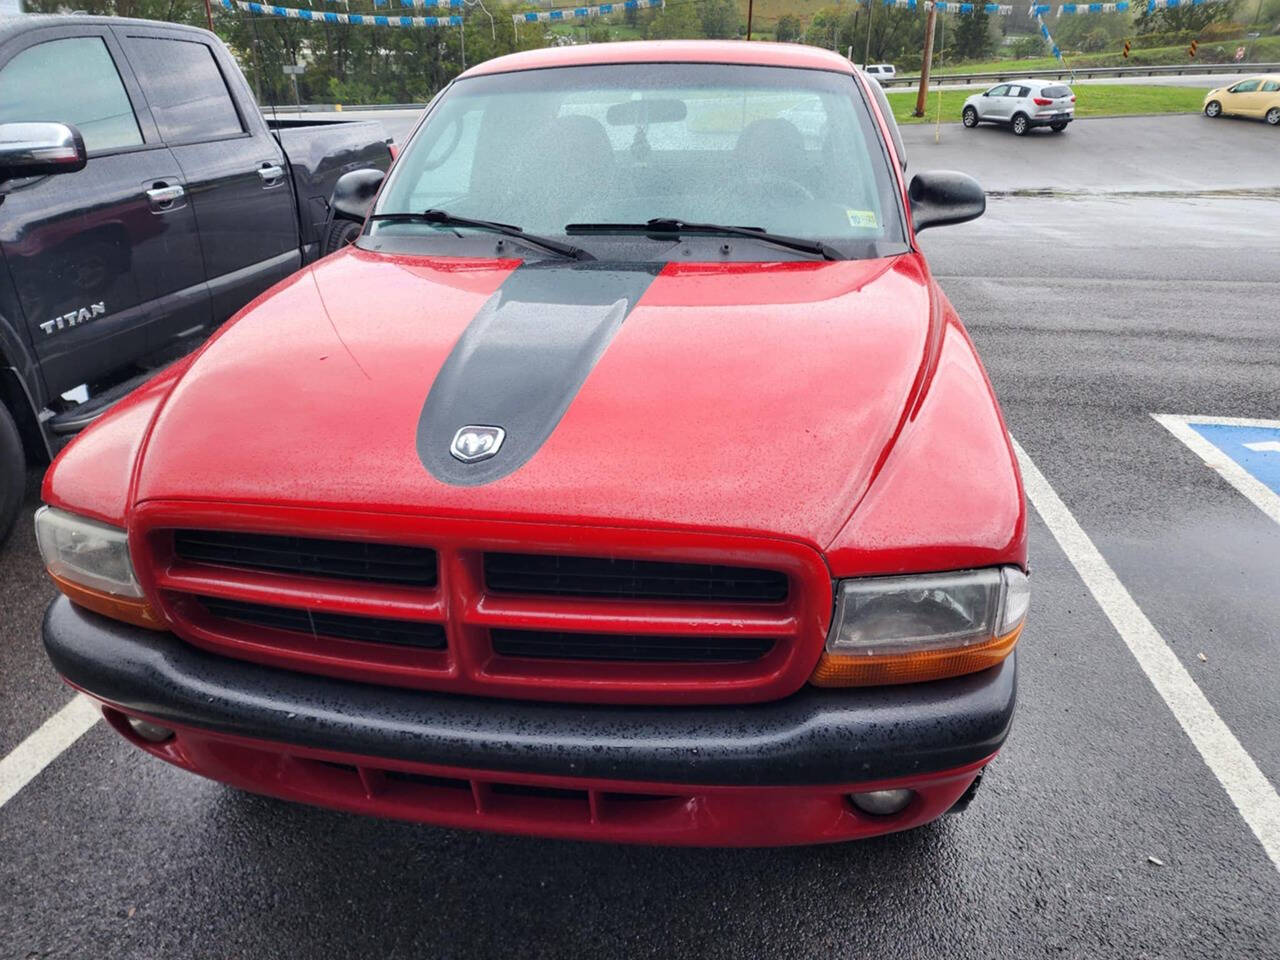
<point x="129" y="609"/>
<point x="843" y="670"/>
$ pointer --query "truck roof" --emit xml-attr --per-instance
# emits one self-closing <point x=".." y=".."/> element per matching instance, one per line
<point x="668" y="51"/>
<point x="11" y="26"/>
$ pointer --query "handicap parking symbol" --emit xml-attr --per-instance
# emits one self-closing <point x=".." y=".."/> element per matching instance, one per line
<point x="1245" y="452"/>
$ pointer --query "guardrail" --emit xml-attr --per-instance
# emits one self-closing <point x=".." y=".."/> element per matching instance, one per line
<point x="1086" y="73"/>
<point x="340" y="107"/>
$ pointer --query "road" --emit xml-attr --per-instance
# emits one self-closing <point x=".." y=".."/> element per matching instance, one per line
<point x="1101" y="832"/>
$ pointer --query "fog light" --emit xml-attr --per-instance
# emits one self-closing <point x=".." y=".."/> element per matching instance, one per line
<point x="882" y="803"/>
<point x="148" y="731"/>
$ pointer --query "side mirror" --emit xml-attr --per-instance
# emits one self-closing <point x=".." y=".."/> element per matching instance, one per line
<point x="40" y="149"/>
<point x="940" y="197"/>
<point x="353" y="194"/>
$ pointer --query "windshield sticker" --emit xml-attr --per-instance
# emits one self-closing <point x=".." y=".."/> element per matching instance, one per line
<point x="862" y="218"/>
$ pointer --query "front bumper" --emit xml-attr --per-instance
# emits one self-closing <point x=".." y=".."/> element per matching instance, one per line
<point x="745" y="775"/>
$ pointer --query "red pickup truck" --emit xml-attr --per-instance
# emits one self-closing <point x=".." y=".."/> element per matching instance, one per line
<point x="628" y="478"/>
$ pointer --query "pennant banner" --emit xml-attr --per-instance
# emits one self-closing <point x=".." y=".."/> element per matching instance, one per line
<point x="1070" y="9"/>
<point x="1171" y="4"/>
<point x="950" y="6"/>
<point x="578" y="13"/>
<point x="355" y="19"/>
<point x="1044" y="32"/>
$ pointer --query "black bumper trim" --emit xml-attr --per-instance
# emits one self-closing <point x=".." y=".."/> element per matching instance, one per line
<point x="813" y="737"/>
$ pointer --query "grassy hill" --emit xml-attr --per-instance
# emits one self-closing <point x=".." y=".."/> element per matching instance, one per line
<point x="767" y="12"/>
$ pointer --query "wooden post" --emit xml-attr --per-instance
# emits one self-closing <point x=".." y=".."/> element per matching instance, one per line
<point x="929" y="26"/>
<point x="751" y="4"/>
<point x="866" y="54"/>
<point x="208" y="12"/>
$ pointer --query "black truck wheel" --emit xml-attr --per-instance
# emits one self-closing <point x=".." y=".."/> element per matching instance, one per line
<point x="339" y="234"/>
<point x="13" y="473"/>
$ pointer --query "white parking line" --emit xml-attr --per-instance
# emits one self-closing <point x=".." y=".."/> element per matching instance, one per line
<point x="1263" y="497"/>
<point x="33" y="754"/>
<point x="1249" y="790"/>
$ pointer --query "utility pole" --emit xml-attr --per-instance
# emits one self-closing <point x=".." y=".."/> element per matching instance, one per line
<point x="929" y="27"/>
<point x="1253" y="34"/>
<point x="751" y="4"/>
<point x="866" y="56"/>
<point x="208" y="12"/>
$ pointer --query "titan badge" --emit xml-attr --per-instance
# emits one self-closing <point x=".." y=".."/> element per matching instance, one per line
<point x="74" y="318"/>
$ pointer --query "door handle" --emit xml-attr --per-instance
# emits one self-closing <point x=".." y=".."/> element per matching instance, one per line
<point x="271" y="173"/>
<point x="163" y="197"/>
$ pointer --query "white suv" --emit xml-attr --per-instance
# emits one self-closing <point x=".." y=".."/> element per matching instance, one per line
<point x="882" y="71"/>
<point x="1022" y="104"/>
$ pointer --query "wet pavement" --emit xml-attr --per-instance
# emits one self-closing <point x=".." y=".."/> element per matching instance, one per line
<point x="1100" y="831"/>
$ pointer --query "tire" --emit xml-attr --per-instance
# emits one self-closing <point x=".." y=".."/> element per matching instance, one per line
<point x="1020" y="124"/>
<point x="1273" y="116"/>
<point x="13" y="473"/>
<point x="1213" y="109"/>
<point x="1057" y="127"/>
<point x="339" y="234"/>
<point x="969" y="117"/>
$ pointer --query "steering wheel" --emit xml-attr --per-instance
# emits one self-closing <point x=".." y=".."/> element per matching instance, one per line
<point x="781" y="188"/>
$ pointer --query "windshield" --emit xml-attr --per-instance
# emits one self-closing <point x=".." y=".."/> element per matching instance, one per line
<point x="789" y="151"/>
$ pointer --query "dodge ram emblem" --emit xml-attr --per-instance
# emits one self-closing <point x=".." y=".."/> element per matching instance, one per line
<point x="472" y="443"/>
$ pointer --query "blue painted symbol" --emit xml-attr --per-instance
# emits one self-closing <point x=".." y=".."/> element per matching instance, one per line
<point x="1255" y="449"/>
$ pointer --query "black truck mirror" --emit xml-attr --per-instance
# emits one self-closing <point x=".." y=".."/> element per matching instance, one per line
<point x="353" y="194"/>
<point x="940" y="197"/>
<point x="40" y="149"/>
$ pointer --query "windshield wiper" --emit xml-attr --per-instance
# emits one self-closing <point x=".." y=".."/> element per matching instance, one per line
<point x="669" y="226"/>
<point x="445" y="219"/>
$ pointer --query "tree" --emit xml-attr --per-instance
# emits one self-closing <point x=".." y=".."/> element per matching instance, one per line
<point x="677" y="20"/>
<point x="1086" y="31"/>
<point x="1024" y="48"/>
<point x="790" y="28"/>
<point x="972" y="37"/>
<point x="1195" y="19"/>
<point x="719" y="18"/>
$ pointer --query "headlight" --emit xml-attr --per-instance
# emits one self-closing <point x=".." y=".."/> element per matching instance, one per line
<point x="909" y="629"/>
<point x="89" y="562"/>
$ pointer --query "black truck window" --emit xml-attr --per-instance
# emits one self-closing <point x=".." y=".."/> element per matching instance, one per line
<point x="185" y="88"/>
<point x="70" y="81"/>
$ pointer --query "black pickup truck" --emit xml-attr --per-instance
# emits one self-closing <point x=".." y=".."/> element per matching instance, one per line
<point x="144" y="199"/>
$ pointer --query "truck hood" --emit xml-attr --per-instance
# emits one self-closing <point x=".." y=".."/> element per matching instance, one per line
<point x="752" y="397"/>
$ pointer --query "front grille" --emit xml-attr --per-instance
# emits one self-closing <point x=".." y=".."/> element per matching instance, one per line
<point x="340" y="559"/>
<point x="485" y="607"/>
<point x="341" y="626"/>
<point x="648" y="648"/>
<point x="623" y="579"/>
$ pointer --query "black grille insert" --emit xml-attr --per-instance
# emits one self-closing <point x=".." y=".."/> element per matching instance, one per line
<point x="627" y="647"/>
<point x="341" y="559"/>
<point x="405" y="633"/>
<point x="617" y="578"/>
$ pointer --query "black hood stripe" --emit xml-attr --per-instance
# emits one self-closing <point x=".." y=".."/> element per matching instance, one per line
<point x="522" y="360"/>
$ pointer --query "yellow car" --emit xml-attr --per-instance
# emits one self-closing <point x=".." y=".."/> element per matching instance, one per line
<point x="1254" y="97"/>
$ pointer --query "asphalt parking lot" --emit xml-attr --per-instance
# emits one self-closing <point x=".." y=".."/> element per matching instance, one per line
<point x="1124" y="270"/>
